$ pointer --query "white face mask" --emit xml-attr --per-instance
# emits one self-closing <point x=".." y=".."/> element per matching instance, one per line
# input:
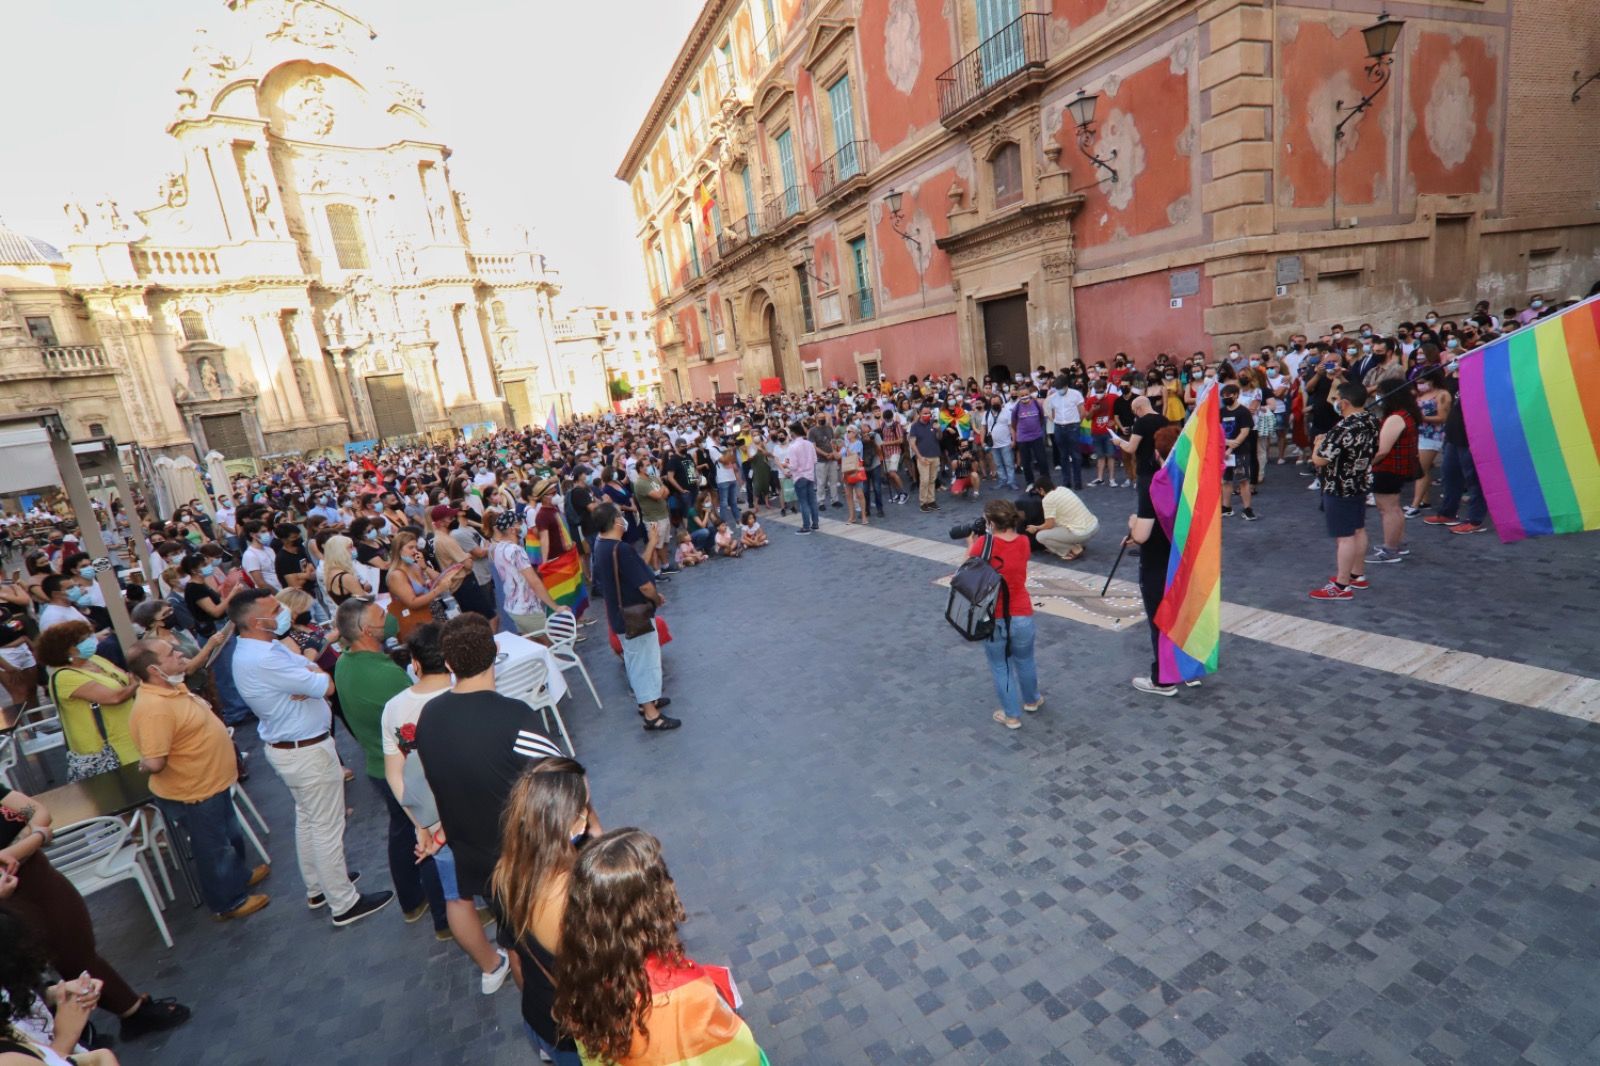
<point x="173" y="679"/>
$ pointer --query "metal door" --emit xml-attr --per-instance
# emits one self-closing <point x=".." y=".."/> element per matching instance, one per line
<point x="226" y="434"/>
<point x="1005" y="335"/>
<point x="391" y="405"/>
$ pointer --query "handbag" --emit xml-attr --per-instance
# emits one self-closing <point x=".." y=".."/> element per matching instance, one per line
<point x="637" y="619"/>
<point x="80" y="766"/>
<point x="854" y="473"/>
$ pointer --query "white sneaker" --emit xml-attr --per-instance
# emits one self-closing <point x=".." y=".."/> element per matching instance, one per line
<point x="497" y="977"/>
<point x="1144" y="684"/>
<point x="1316" y="483"/>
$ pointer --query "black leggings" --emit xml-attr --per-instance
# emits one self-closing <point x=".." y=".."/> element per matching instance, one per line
<point x="1152" y="587"/>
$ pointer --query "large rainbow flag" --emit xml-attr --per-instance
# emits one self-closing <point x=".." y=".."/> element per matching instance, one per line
<point x="562" y="576"/>
<point x="692" y="1021"/>
<point x="1531" y="404"/>
<point x="1187" y="494"/>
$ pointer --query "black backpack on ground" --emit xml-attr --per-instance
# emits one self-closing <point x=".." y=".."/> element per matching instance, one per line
<point x="976" y="592"/>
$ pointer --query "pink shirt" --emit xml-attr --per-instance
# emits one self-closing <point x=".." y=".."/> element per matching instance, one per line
<point x="802" y="460"/>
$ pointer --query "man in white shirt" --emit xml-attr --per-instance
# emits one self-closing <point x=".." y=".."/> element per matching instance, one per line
<point x="290" y="697"/>
<point x="259" y="561"/>
<point x="1065" y="405"/>
<point x="61" y="602"/>
<point x="227" y="523"/>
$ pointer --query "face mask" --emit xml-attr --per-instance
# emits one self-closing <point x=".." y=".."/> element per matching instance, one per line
<point x="280" y="621"/>
<point x="1366" y="347"/>
<point x="1273" y="373"/>
<point x="1432" y="320"/>
<point x="372" y="534"/>
<point x="207" y="570"/>
<point x="1452" y="343"/>
<point x="173" y="679"/>
<point x="264" y="538"/>
<point x="391" y="627"/>
<point x="1537" y="304"/>
<point x="1366" y="333"/>
<point x="1282" y="353"/>
<point x="86" y="572"/>
<point x="1423" y="386"/>
<point x="76" y="594"/>
<point x="1338" y="333"/>
<point x="86" y="647"/>
<point x="1255" y="362"/>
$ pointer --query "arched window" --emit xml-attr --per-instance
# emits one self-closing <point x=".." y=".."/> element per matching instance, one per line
<point x="345" y="224"/>
<point x="1005" y="171"/>
<point x="193" y="326"/>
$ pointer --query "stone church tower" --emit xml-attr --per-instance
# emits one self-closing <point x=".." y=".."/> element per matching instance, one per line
<point x="309" y="275"/>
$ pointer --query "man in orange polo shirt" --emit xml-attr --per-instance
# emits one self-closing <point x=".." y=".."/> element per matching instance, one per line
<point x="189" y="756"/>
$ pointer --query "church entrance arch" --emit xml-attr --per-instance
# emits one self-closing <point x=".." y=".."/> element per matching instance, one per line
<point x="766" y="334"/>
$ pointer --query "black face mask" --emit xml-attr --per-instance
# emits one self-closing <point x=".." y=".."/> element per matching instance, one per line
<point x="303" y="618"/>
<point x="455" y="524"/>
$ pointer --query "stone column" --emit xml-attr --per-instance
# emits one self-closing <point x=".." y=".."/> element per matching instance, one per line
<point x="1236" y="79"/>
<point x="269" y="330"/>
<point x="305" y="333"/>
<point x="471" y="334"/>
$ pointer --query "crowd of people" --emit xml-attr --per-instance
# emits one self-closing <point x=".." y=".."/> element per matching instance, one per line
<point x="366" y="594"/>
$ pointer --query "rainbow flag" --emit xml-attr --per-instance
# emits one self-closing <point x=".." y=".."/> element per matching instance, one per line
<point x="961" y="418"/>
<point x="563" y="578"/>
<point x="1531" y="404"/>
<point x="550" y="424"/>
<point x="692" y="1021"/>
<point x="1187" y="494"/>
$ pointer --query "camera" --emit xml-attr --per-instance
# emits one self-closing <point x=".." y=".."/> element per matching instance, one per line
<point x="976" y="528"/>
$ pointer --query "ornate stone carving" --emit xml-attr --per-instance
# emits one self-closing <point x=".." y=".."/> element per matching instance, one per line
<point x="77" y="217"/>
<point x="1059" y="264"/>
<point x="405" y="94"/>
<point x="258" y="190"/>
<point x="210" y="380"/>
<point x="109" y="217"/>
<point x="307" y="104"/>
<point x="174" y="191"/>
<point x="310" y="24"/>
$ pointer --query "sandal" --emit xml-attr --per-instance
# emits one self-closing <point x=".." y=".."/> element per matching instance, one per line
<point x="1009" y="723"/>
<point x="1034" y="706"/>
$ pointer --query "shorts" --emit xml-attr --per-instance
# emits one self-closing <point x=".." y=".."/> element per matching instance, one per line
<point x="1103" y="448"/>
<point x="1387" y="484"/>
<point x="661" y="528"/>
<point x="891" y="462"/>
<point x="1237" y="473"/>
<point x="1346" y="515"/>
<point x="528" y="625"/>
<point x="1430" y="444"/>
<point x="444" y="861"/>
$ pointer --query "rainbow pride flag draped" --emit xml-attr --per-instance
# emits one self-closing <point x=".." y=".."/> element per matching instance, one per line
<point x="563" y="576"/>
<point x="960" y="417"/>
<point x="1187" y="494"/>
<point x="692" y="1021"/>
<point x="1531" y="404"/>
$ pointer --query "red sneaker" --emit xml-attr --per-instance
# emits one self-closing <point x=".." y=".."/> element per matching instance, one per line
<point x="1469" y="527"/>
<point x="1332" y="591"/>
<point x="1357" y="581"/>
<point x="1440" y="520"/>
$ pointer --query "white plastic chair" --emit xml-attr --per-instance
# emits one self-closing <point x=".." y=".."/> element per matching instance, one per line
<point x="8" y="761"/>
<point x="39" y="729"/>
<point x="528" y="680"/>
<point x="241" y="804"/>
<point x="561" y="629"/>
<point x="99" y="852"/>
<point x="150" y="834"/>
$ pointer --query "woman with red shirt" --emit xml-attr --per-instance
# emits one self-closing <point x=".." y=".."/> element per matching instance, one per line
<point x="1010" y="648"/>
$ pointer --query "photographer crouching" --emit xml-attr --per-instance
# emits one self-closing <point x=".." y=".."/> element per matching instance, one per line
<point x="1009" y="649"/>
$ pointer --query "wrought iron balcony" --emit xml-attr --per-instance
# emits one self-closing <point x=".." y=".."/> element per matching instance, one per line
<point x="836" y="174"/>
<point x="1012" y="58"/>
<point x="780" y="208"/>
<point x="68" y="357"/>
<point x="736" y="233"/>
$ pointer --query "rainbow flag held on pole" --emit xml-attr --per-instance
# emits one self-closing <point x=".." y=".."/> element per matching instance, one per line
<point x="1187" y="494"/>
<point x="550" y="424"/>
<point x="1531" y="405"/>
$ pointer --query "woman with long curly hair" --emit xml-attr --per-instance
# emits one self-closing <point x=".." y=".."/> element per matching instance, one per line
<point x="548" y="817"/>
<point x="624" y="988"/>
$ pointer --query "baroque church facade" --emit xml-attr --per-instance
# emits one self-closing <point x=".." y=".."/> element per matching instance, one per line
<point x="308" y="276"/>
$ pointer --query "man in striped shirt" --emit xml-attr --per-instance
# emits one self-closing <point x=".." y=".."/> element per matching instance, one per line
<point x="474" y="743"/>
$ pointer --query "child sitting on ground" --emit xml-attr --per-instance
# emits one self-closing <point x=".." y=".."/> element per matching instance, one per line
<point x="727" y="543"/>
<point x="688" y="554"/>
<point x="750" y="531"/>
<point x="965" y="473"/>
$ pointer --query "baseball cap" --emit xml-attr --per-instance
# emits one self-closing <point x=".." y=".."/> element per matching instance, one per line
<point x="442" y="511"/>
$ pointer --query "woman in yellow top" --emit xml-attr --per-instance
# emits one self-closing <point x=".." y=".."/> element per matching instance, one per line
<point x="80" y="681"/>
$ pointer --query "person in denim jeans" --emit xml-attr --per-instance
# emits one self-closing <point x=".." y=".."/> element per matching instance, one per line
<point x="187" y="752"/>
<point x="800" y="463"/>
<point x="1009" y="650"/>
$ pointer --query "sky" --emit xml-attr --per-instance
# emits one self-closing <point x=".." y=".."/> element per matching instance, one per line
<point x="537" y="100"/>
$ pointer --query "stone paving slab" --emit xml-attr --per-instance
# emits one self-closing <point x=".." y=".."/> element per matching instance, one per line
<point x="1304" y="861"/>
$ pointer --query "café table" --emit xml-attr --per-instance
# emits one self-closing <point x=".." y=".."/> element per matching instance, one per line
<point x="113" y="794"/>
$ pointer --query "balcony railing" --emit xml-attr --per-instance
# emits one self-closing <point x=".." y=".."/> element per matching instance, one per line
<point x="175" y="262"/>
<point x="735" y="234"/>
<point x="999" y="61"/>
<point x="862" y="307"/>
<point x="850" y="161"/>
<point x="75" y="357"/>
<point x="777" y="209"/>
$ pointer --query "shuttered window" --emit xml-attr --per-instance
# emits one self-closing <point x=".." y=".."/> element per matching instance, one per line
<point x="344" y="222"/>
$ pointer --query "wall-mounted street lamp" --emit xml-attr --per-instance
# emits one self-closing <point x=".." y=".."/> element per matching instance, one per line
<point x="1577" y="74"/>
<point x="1081" y="108"/>
<point x="1381" y="37"/>
<point x="897" y="222"/>
<point x="808" y="261"/>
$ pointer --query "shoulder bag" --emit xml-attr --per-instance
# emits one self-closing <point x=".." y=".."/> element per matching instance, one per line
<point x="98" y="762"/>
<point x="639" y="618"/>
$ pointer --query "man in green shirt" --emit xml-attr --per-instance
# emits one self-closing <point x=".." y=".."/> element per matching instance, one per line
<point x="366" y="679"/>
<point x="651" y="495"/>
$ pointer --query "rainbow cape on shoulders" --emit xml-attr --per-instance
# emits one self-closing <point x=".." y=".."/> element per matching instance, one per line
<point x="1187" y="494"/>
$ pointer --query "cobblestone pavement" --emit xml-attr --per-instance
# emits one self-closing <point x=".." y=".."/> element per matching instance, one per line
<point x="1302" y="862"/>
